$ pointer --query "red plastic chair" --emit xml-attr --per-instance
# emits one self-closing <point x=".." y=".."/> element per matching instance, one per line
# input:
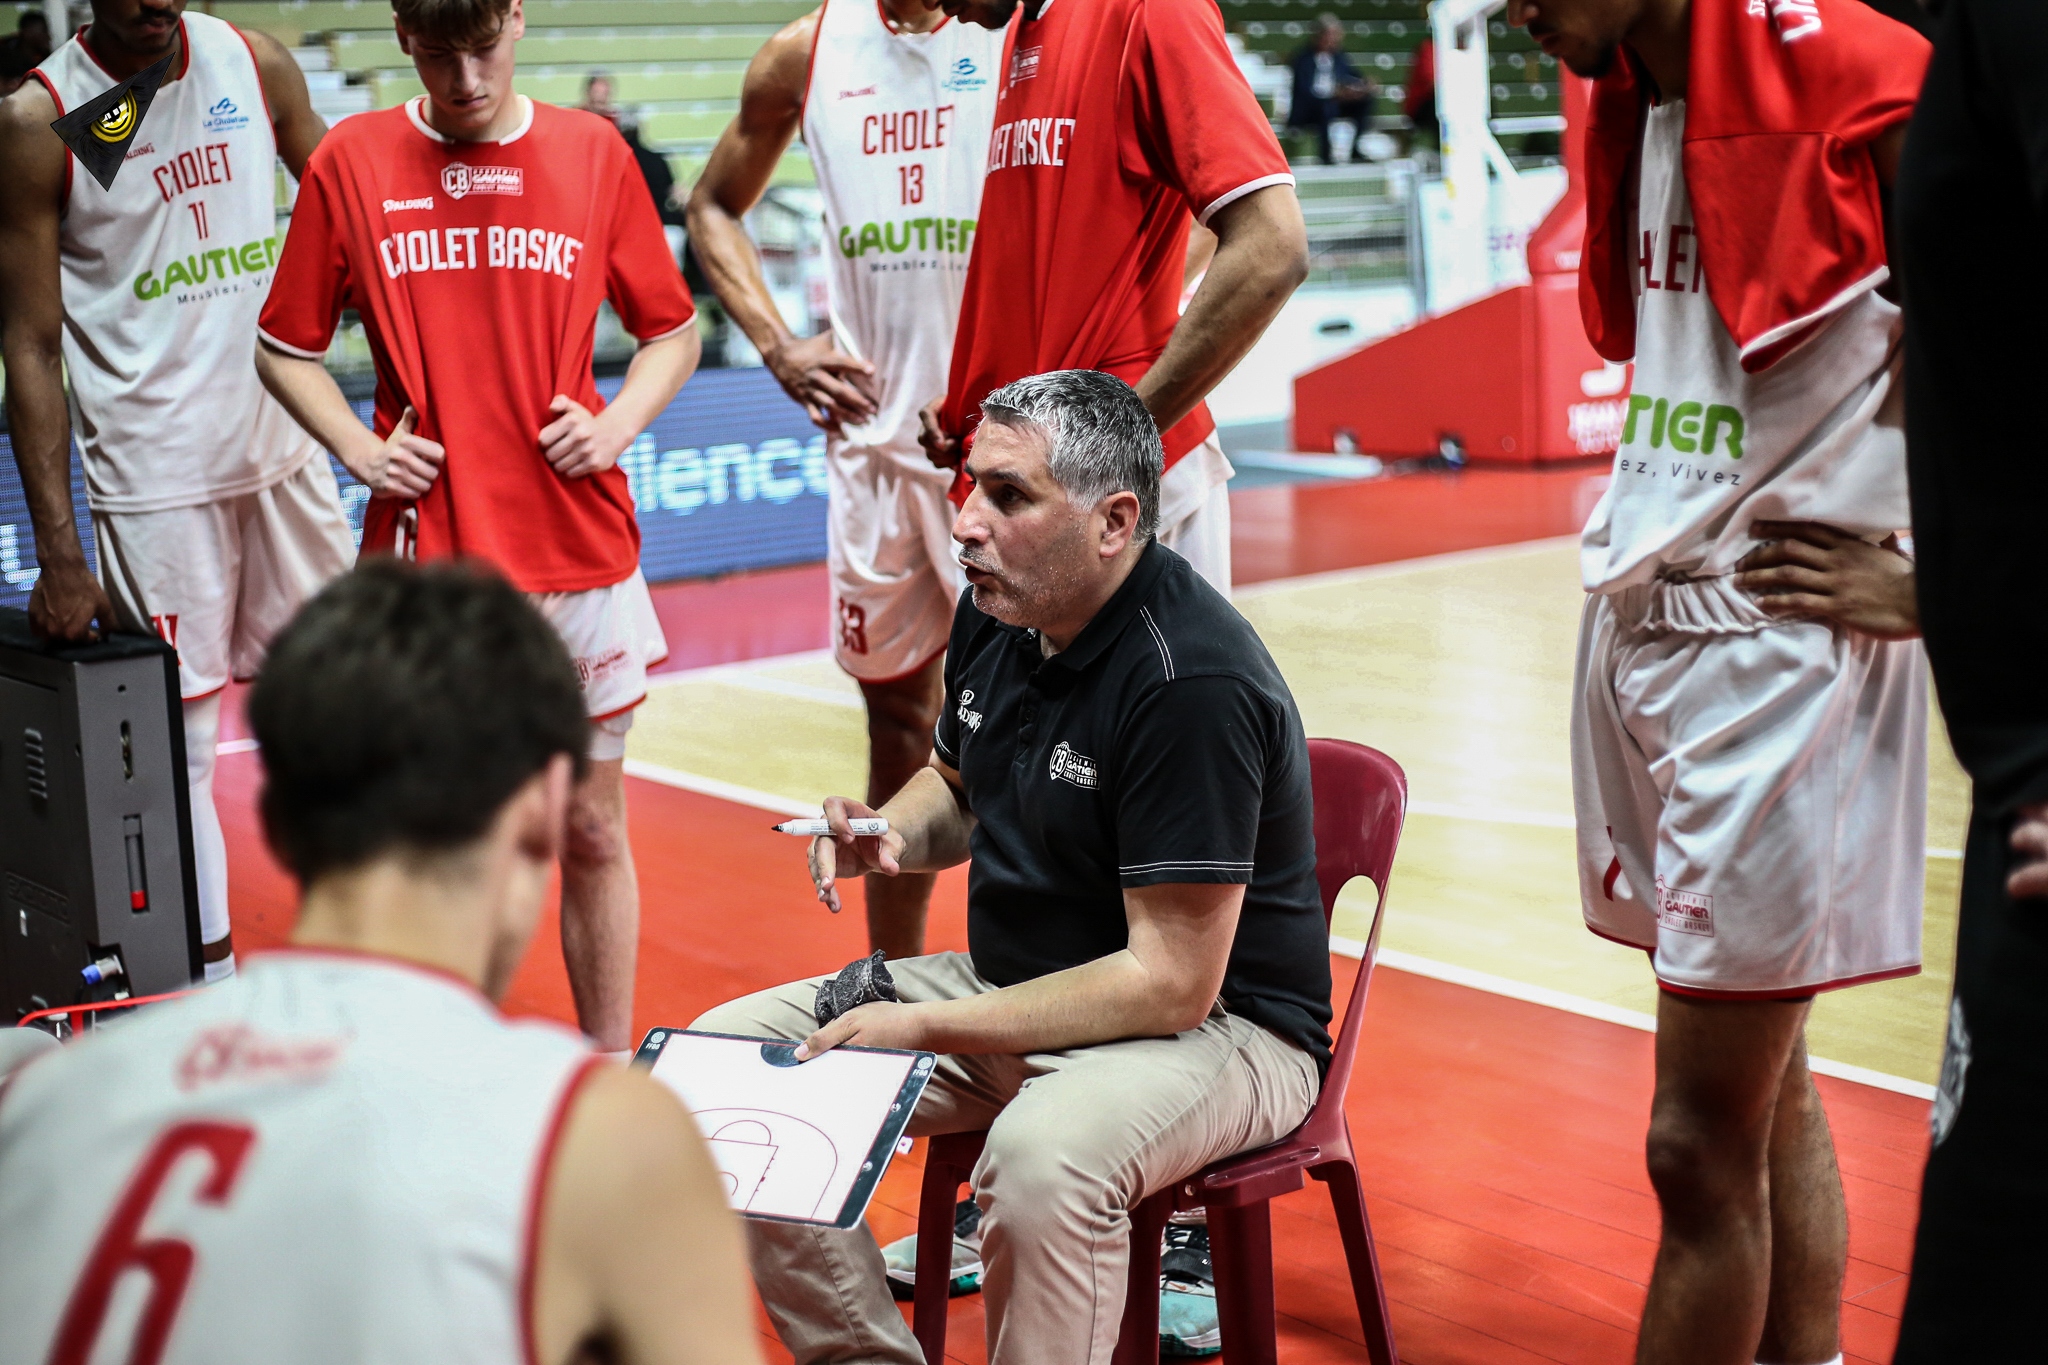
<point x="1361" y="800"/>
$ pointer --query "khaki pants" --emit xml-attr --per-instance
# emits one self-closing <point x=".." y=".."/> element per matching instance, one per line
<point x="1075" y="1140"/>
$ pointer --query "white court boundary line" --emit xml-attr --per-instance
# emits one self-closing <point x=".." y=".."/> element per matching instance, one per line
<point x="750" y="796"/>
<point x="1343" y="947"/>
<point x="1597" y="1009"/>
<point x="1366" y="572"/>
<point x="724" y="791"/>
<point x="742" y="674"/>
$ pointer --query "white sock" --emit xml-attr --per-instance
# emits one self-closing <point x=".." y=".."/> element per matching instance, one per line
<point x="209" y="845"/>
<point x="220" y="971"/>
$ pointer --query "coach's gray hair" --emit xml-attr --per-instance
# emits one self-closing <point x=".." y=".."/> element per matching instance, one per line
<point x="1103" y="440"/>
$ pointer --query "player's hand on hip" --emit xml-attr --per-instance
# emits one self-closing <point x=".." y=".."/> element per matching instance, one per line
<point x="941" y="449"/>
<point x="846" y="854"/>
<point x="579" y="443"/>
<point x="402" y="465"/>
<point x="835" y="388"/>
<point x="2029" y="877"/>
<point x="884" y="1023"/>
<point x="1806" y="571"/>
<point x="65" y="602"/>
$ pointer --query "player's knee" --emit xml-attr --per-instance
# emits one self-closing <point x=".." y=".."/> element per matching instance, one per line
<point x="595" y="835"/>
<point x="1696" y="1164"/>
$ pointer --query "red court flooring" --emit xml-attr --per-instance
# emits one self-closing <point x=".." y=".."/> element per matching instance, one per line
<point x="1501" y="1141"/>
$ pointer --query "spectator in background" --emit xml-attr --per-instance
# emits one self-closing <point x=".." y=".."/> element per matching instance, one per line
<point x="14" y="67"/>
<point x="661" y="183"/>
<point x="30" y="43"/>
<point x="1327" y="87"/>
<point x="597" y="98"/>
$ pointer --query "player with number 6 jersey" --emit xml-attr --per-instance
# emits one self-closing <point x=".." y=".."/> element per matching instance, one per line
<point x="347" y="1154"/>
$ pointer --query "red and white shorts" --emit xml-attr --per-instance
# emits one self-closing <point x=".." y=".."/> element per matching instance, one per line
<point x="1194" y="511"/>
<point x="889" y="548"/>
<point x="614" y="636"/>
<point x="1752" y="805"/>
<point x="219" y="579"/>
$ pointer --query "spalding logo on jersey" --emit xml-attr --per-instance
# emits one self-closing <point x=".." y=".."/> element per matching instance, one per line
<point x="460" y="178"/>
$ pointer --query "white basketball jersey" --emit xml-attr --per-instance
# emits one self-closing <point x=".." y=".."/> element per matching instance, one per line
<point x="332" y="1158"/>
<point x="1708" y="448"/>
<point x="163" y="278"/>
<point x="897" y="125"/>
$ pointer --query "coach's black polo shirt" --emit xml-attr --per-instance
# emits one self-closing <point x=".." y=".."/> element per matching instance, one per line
<point x="1161" y="746"/>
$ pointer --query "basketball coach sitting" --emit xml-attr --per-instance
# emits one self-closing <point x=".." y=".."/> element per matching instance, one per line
<point x="1148" y="977"/>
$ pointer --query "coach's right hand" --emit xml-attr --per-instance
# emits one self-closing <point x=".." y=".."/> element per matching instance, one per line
<point x="833" y="386"/>
<point x="843" y="853"/>
<point x="941" y="449"/>
<point x="402" y="465"/>
<point x="66" y="600"/>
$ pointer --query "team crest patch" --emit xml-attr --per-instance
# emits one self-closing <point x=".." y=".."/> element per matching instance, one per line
<point x="1684" y="912"/>
<point x="1068" y="766"/>
<point x="1024" y="64"/>
<point x="459" y="178"/>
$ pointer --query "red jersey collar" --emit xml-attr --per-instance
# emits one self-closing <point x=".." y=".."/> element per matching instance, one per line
<point x="415" y="113"/>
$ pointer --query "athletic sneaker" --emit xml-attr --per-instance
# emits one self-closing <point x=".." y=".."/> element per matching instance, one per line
<point x="900" y="1256"/>
<point x="1187" y="1294"/>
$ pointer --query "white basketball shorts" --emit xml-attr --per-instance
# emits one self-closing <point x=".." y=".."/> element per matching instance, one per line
<point x="889" y="548"/>
<point x="1752" y="807"/>
<point x="614" y="637"/>
<point x="217" y="580"/>
<point x="1194" y="512"/>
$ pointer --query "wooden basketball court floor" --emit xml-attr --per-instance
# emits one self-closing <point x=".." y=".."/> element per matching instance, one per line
<point x="1505" y="1071"/>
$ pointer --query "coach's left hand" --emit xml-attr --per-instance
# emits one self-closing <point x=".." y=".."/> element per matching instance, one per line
<point x="2029" y="877"/>
<point x="1806" y="571"/>
<point x="579" y="443"/>
<point x="882" y="1024"/>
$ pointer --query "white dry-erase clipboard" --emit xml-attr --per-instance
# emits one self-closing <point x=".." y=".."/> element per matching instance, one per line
<point x="796" y="1142"/>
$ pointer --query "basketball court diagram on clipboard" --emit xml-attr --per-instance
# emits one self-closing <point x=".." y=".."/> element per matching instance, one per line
<point x="804" y="1142"/>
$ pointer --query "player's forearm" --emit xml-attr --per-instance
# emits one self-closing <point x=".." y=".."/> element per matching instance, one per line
<point x="1261" y="256"/>
<point x="934" y="822"/>
<point x="658" y="371"/>
<point x="40" y="429"/>
<point x="308" y="392"/>
<point x="733" y="268"/>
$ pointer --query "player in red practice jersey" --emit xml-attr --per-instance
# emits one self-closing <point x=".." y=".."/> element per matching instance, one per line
<point x="476" y="232"/>
<point x="1115" y="121"/>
